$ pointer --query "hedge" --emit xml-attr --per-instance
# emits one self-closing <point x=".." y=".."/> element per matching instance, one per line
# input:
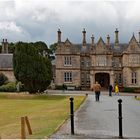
<point x="9" y="87"/>
<point x="129" y="89"/>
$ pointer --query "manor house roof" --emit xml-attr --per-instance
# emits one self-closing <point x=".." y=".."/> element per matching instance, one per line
<point x="6" y="61"/>
<point x="122" y="47"/>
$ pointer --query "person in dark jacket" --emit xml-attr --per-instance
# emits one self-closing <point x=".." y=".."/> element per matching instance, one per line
<point x="110" y="90"/>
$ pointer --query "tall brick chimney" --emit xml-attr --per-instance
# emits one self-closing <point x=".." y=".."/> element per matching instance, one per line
<point x="59" y="35"/>
<point x="116" y="37"/>
<point x="108" y="40"/>
<point x="139" y="36"/>
<point x="116" y="45"/>
<point x="92" y="40"/>
<point x="4" y="46"/>
<point x="84" y="37"/>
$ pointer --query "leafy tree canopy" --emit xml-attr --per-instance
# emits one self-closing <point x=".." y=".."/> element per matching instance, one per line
<point x="11" y="47"/>
<point x="31" y="68"/>
<point x="39" y="45"/>
<point x="42" y="48"/>
<point x="53" y="48"/>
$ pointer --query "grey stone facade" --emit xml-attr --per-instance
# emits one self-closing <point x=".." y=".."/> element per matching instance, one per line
<point x="6" y="63"/>
<point x="80" y="65"/>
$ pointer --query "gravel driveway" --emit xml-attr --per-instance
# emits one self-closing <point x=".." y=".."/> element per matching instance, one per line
<point x="100" y="119"/>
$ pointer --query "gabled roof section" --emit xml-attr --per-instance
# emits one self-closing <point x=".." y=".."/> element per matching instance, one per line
<point x="67" y="42"/>
<point x="133" y="45"/>
<point x="133" y="39"/>
<point x="100" y="46"/>
<point x="100" y="41"/>
<point x="68" y="48"/>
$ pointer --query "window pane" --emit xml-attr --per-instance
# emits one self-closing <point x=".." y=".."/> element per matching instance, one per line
<point x="135" y="74"/>
<point x="65" y="77"/>
<point x="70" y="60"/>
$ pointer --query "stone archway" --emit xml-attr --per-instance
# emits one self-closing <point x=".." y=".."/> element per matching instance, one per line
<point x="103" y="79"/>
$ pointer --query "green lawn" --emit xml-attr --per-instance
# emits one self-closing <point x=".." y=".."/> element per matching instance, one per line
<point x="45" y="113"/>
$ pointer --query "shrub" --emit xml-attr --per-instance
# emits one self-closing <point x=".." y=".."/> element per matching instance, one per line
<point x="137" y="90"/>
<point x="59" y="87"/>
<point x="3" y="79"/>
<point x="9" y="87"/>
<point x="129" y="89"/>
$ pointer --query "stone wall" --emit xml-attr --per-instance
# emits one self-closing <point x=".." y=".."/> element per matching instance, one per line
<point x="9" y="74"/>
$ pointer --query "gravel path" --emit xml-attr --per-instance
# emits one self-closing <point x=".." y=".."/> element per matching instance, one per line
<point x="100" y="119"/>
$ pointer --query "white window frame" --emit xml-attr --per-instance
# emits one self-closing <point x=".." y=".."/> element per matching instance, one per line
<point x="67" y="76"/>
<point x="67" y="61"/>
<point x="133" y="59"/>
<point x="134" y="78"/>
<point x="101" y="60"/>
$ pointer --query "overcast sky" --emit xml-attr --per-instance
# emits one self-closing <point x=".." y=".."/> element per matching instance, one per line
<point x="39" y="20"/>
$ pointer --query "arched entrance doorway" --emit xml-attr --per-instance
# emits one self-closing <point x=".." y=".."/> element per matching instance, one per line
<point x="103" y="79"/>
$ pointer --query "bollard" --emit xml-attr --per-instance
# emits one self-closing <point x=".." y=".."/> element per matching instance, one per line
<point x="86" y="94"/>
<point x="120" y="118"/>
<point x="23" y="128"/>
<point x="28" y="125"/>
<point x="72" y="115"/>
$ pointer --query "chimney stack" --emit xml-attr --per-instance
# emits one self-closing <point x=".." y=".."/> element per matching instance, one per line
<point x="92" y="40"/>
<point x="139" y="36"/>
<point x="116" y="37"/>
<point x="84" y="37"/>
<point x="108" y="40"/>
<point x="4" y="46"/>
<point x="59" y="35"/>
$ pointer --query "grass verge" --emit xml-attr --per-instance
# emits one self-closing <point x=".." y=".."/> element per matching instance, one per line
<point x="45" y="113"/>
<point x="138" y="98"/>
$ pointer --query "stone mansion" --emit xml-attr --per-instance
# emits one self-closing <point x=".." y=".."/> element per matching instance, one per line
<point x="6" y="63"/>
<point x="80" y="65"/>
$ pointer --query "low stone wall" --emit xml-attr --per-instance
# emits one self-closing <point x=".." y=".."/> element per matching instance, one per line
<point x="9" y="74"/>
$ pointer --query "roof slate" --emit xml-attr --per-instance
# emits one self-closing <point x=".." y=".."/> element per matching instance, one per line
<point x="6" y="61"/>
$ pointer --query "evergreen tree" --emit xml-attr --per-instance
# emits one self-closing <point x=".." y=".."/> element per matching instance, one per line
<point x="42" y="48"/>
<point x="11" y="47"/>
<point x="31" y="68"/>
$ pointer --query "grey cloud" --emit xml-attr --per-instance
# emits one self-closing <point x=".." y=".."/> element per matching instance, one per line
<point x="39" y="20"/>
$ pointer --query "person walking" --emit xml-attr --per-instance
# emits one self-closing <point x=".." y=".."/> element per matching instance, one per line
<point x="110" y="90"/>
<point x="97" y="90"/>
<point x="116" y="89"/>
<point x="63" y="87"/>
